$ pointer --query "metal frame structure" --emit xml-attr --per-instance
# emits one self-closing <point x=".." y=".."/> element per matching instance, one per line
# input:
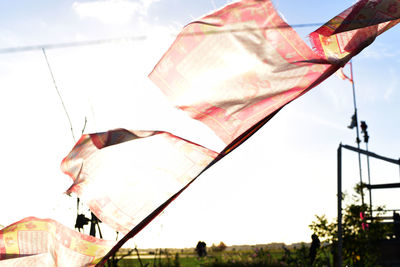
<point x="369" y="186"/>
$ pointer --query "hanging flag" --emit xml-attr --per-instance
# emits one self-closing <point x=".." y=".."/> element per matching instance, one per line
<point x="238" y="65"/>
<point x="351" y="31"/>
<point x="363" y="14"/>
<point x="233" y="68"/>
<point x="45" y="242"/>
<point x="343" y="76"/>
<point x="125" y="175"/>
<point x="353" y="122"/>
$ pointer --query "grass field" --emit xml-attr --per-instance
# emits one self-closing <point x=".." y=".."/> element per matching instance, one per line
<point x="228" y="258"/>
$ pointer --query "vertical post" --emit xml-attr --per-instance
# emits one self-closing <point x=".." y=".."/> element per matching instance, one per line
<point x="369" y="182"/>
<point x="339" y="198"/>
<point x="364" y="127"/>
<point x="93" y="222"/>
<point x="358" y="134"/>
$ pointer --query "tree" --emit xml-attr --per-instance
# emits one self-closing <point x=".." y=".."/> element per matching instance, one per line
<point x="219" y="248"/>
<point x="360" y="239"/>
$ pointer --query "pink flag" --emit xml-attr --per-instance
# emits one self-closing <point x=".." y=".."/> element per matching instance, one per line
<point x="233" y="68"/>
<point x="348" y="33"/>
<point x="343" y="76"/>
<point x="45" y="242"/>
<point x="125" y="175"/>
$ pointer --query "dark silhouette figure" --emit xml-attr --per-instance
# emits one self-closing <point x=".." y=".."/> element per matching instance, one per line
<point x="315" y="245"/>
<point x="396" y="220"/>
<point x="81" y="220"/>
<point x="201" y="249"/>
<point x="286" y="257"/>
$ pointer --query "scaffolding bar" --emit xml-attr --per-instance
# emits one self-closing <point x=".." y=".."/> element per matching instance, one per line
<point x="339" y="199"/>
<point x="371" y="154"/>
<point x="383" y="186"/>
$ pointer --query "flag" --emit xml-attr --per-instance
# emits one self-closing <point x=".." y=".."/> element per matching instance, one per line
<point x="233" y="68"/>
<point x="353" y="122"/>
<point x="351" y="31"/>
<point x="125" y="175"/>
<point x="45" y="242"/>
<point x="343" y="76"/>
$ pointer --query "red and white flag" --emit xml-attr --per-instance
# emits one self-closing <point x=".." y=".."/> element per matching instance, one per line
<point x="45" y="242"/>
<point x="348" y="33"/>
<point x="233" y="68"/>
<point x="343" y="76"/>
<point x="124" y="175"/>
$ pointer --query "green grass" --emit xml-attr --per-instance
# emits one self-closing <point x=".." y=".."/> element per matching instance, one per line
<point x="183" y="261"/>
<point x="229" y="258"/>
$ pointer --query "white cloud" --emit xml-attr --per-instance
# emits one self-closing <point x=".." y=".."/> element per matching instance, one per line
<point x="112" y="11"/>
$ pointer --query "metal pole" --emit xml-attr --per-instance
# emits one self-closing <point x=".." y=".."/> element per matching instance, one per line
<point x="369" y="182"/>
<point x="339" y="198"/>
<point x="93" y="225"/>
<point x="358" y="134"/>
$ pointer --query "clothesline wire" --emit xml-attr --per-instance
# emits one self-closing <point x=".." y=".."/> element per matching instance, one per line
<point x="365" y="22"/>
<point x="59" y="95"/>
<point x="134" y="39"/>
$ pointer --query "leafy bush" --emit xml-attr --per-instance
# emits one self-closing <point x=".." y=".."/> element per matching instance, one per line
<point x="360" y="239"/>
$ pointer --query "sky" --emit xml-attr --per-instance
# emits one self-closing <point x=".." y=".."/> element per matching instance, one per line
<point x="267" y="190"/>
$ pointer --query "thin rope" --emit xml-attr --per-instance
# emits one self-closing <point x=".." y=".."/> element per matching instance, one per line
<point x="135" y="38"/>
<point x="66" y="113"/>
<point x="144" y="37"/>
<point x="70" y="44"/>
<point x="357" y="131"/>
<point x="59" y="95"/>
<point x="84" y="126"/>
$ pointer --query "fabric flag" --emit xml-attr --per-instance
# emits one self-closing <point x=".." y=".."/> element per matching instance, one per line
<point x="233" y="68"/>
<point x="125" y="175"/>
<point x="355" y="28"/>
<point x="343" y="76"/>
<point x="238" y="65"/>
<point x="45" y="242"/>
